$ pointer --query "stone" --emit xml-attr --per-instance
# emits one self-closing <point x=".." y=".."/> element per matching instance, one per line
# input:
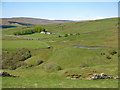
<point x="94" y="78"/>
<point x="116" y="77"/>
<point x="110" y="77"/>
<point x="101" y="76"/>
<point x="89" y="78"/>
<point x="68" y="77"/>
<point x="5" y="74"/>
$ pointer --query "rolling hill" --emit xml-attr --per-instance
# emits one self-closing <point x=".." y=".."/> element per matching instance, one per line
<point x="62" y="58"/>
<point x="30" y="21"/>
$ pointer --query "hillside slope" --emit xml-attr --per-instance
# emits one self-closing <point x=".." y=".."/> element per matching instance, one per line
<point x="35" y="21"/>
<point x="63" y="59"/>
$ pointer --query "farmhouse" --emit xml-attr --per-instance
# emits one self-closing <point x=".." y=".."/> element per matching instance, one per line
<point x="42" y="32"/>
<point x="46" y="32"/>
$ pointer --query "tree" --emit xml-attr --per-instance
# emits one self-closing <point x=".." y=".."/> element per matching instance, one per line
<point x="77" y="33"/>
<point x="66" y="35"/>
<point x="59" y="36"/>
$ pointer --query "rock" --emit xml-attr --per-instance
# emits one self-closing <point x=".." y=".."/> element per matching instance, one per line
<point x="116" y="78"/>
<point x="73" y="78"/>
<point x="5" y="74"/>
<point x="73" y="75"/>
<point x="68" y="77"/>
<point x="93" y="78"/>
<point x="77" y="77"/>
<point x="89" y="78"/>
<point x="90" y="74"/>
<point x="48" y="47"/>
<point x="101" y="76"/>
<point x="110" y="77"/>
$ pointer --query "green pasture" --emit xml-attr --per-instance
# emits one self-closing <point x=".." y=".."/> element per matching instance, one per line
<point x="98" y="33"/>
<point x="56" y="83"/>
<point x="40" y="36"/>
<point x="30" y="44"/>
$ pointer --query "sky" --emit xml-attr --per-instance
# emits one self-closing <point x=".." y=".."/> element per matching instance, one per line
<point x="60" y="10"/>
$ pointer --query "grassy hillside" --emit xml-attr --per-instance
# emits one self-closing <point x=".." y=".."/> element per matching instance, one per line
<point x="23" y="44"/>
<point x="57" y="83"/>
<point x="62" y="58"/>
<point x="22" y="21"/>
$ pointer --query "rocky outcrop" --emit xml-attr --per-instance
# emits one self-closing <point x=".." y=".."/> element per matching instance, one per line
<point x="5" y="74"/>
<point x="102" y="76"/>
<point x="91" y="76"/>
<point x="74" y="76"/>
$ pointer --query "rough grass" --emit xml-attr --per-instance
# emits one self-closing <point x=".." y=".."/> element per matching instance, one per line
<point x="57" y="83"/>
<point x="74" y="57"/>
<point x="101" y="33"/>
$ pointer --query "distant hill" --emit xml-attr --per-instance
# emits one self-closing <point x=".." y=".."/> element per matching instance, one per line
<point x="30" y="21"/>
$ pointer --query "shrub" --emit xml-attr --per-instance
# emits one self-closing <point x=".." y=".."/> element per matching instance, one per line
<point x="112" y="52"/>
<point x="39" y="62"/>
<point x="108" y="57"/>
<point x="58" y="68"/>
<point x="30" y="31"/>
<point x="12" y="60"/>
<point x="102" y="53"/>
<point x="59" y="36"/>
<point x="30" y="65"/>
<point x="66" y="35"/>
<point x="52" y="66"/>
<point x="23" y="54"/>
<point x="77" y="33"/>
<point x="12" y="67"/>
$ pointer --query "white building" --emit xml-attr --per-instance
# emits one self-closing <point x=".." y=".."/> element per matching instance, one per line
<point x="48" y="33"/>
<point x="42" y="32"/>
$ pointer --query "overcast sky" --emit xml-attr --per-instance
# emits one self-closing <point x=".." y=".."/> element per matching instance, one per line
<point x="60" y="10"/>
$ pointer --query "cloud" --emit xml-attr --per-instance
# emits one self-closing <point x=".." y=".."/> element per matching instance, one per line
<point x="97" y="18"/>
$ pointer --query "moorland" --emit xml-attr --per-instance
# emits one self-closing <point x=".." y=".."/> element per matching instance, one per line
<point x="45" y="60"/>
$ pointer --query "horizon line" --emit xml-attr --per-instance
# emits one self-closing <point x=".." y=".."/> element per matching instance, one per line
<point x="97" y="18"/>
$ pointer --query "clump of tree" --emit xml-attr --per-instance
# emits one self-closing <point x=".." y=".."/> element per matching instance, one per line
<point x="77" y="33"/>
<point x="66" y="35"/>
<point x="24" y="32"/>
<point x="30" y="31"/>
<point x="39" y="29"/>
<point x="71" y="34"/>
<point x="12" y="60"/>
<point x="112" y="52"/>
<point x="59" y="36"/>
